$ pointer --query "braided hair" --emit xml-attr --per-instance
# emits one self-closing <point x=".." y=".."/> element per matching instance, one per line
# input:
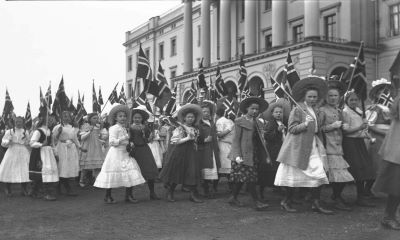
<point x="23" y="125"/>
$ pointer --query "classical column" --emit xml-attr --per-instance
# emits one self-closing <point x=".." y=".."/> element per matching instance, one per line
<point x="225" y="30"/>
<point x="250" y="20"/>
<point x="214" y="32"/>
<point x="188" y="37"/>
<point x="311" y="19"/>
<point x="205" y="32"/>
<point x="279" y="23"/>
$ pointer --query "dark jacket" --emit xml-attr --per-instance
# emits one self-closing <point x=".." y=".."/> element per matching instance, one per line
<point x="243" y="142"/>
<point x="206" y="150"/>
<point x="274" y="139"/>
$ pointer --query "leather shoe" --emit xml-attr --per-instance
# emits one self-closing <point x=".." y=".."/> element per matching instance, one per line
<point x="131" y="199"/>
<point x="286" y="206"/>
<point x="390" y="224"/>
<point x="316" y="207"/>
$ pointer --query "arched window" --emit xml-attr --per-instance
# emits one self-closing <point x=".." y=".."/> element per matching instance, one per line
<point x="337" y="72"/>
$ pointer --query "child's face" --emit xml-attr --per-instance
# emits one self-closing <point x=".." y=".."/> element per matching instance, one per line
<point x="206" y="113"/>
<point x="51" y="121"/>
<point x="94" y="120"/>
<point x="277" y="113"/>
<point x="66" y="117"/>
<point x="121" y="117"/>
<point x="189" y="118"/>
<point x="253" y="110"/>
<point x="19" y="123"/>
<point x="137" y="118"/>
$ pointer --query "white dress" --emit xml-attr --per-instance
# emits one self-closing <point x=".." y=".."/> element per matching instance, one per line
<point x="119" y="169"/>
<point x="15" y="165"/>
<point x="313" y="176"/>
<point x="67" y="150"/>
<point x="224" y="143"/>
<point x="156" y="150"/>
<point x="49" y="169"/>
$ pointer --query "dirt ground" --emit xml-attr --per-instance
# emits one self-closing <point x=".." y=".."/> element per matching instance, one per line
<point x="87" y="217"/>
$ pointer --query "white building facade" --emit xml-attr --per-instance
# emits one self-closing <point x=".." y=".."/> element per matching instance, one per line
<point x="326" y="32"/>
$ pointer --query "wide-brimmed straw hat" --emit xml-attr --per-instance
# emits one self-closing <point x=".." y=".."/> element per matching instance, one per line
<point x="313" y="82"/>
<point x="142" y="110"/>
<point x="263" y="105"/>
<point x="190" y="108"/>
<point x="282" y="103"/>
<point x="378" y="85"/>
<point x="115" y="110"/>
<point x="340" y="86"/>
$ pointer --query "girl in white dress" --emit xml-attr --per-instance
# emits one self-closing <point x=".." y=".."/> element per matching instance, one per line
<point x="66" y="141"/>
<point x="15" y="166"/>
<point x="119" y="169"/>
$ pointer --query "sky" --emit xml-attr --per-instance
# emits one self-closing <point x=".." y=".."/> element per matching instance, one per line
<point x="41" y="41"/>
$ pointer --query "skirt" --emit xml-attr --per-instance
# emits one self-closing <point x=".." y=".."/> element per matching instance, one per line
<point x="373" y="151"/>
<point x="119" y="170"/>
<point x="43" y="165"/>
<point x="210" y="173"/>
<point x="15" y="165"/>
<point x="157" y="152"/>
<point x="145" y="160"/>
<point x="338" y="169"/>
<point x="181" y="165"/>
<point x="243" y="173"/>
<point x="313" y="176"/>
<point x="94" y="157"/>
<point x="68" y="160"/>
<point x="388" y="179"/>
<point x="356" y="155"/>
<point x="224" y="150"/>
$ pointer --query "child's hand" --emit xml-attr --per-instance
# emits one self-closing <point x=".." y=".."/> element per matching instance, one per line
<point x="239" y="160"/>
<point x="208" y="139"/>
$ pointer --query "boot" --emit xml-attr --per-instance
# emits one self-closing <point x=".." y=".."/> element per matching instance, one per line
<point x="48" y="196"/>
<point x="170" y="193"/>
<point x="129" y="196"/>
<point x="194" y="198"/>
<point x="68" y="188"/>
<point x="259" y="206"/>
<point x="285" y="205"/>
<point x="153" y="195"/>
<point x="316" y="207"/>
<point x="24" y="190"/>
<point x="108" y="199"/>
<point x="206" y="189"/>
<point x="7" y="190"/>
<point x="35" y="187"/>
<point x="389" y="223"/>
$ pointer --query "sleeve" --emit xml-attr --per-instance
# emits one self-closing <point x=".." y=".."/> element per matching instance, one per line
<point x="200" y="139"/>
<point x="371" y="116"/>
<point x="35" y="140"/>
<point x="84" y="135"/>
<point x="347" y="120"/>
<point x="219" y="126"/>
<point x="323" y="119"/>
<point x="113" y="138"/>
<point x="5" y="142"/>
<point x="236" y="150"/>
<point x="177" y="134"/>
<point x="271" y="132"/>
<point x="296" y="126"/>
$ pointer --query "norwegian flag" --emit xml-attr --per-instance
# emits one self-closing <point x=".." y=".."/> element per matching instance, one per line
<point x="44" y="107"/>
<point x="122" y="97"/>
<point x="291" y="75"/>
<point x="95" y="104"/>
<point x="113" y="98"/>
<point x="100" y="101"/>
<point x="279" y="93"/>
<point x="229" y="107"/>
<point x="220" y="84"/>
<point x="142" y="101"/>
<point x="355" y="76"/>
<point x="201" y="79"/>
<point x="159" y="88"/>
<point x="192" y="97"/>
<point x="386" y="98"/>
<point x="61" y="100"/>
<point x="171" y="105"/>
<point x="80" y="108"/>
<point x="28" y="117"/>
<point x="8" y="108"/>
<point x="143" y="68"/>
<point x="49" y="98"/>
<point x="213" y="94"/>
<point x="71" y="107"/>
<point x="243" y="75"/>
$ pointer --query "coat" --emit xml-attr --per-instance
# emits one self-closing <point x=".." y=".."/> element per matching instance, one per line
<point x="390" y="150"/>
<point x="243" y="142"/>
<point x="296" y="149"/>
<point x="332" y="137"/>
<point x="274" y="139"/>
<point x="206" y="150"/>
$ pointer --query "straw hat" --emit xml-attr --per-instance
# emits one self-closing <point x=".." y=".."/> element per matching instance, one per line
<point x="250" y="100"/>
<point x="142" y="110"/>
<point x="282" y="103"/>
<point x="380" y="84"/>
<point x="312" y="82"/>
<point x="115" y="110"/>
<point x="190" y="108"/>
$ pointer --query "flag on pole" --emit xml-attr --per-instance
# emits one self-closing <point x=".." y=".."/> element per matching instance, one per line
<point x="171" y="105"/>
<point x="71" y="107"/>
<point x="28" y="117"/>
<point x="122" y="97"/>
<point x="385" y="98"/>
<point x="144" y="69"/>
<point x="242" y="75"/>
<point x="44" y="107"/>
<point x="291" y="75"/>
<point x="8" y="109"/>
<point x="113" y="98"/>
<point x="355" y="76"/>
<point x="229" y="108"/>
<point x="142" y="101"/>
<point x="100" y="101"/>
<point x="201" y="79"/>
<point x="95" y="105"/>
<point x="279" y="93"/>
<point x="159" y="88"/>
<point x="61" y="100"/>
<point x="49" y="98"/>
<point x="220" y="84"/>
<point x="192" y="97"/>
<point x="213" y="94"/>
<point x="80" y="108"/>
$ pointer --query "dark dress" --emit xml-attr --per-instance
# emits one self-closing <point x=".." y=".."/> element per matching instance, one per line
<point x="35" y="160"/>
<point x="206" y="150"/>
<point x="141" y="152"/>
<point x="181" y="165"/>
<point x="274" y="140"/>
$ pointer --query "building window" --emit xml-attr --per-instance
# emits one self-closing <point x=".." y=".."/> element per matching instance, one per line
<point x="173" y="25"/>
<point x="161" y="31"/>
<point x="242" y="10"/>
<point x="243" y="49"/>
<point x="268" y="41"/>
<point x="199" y="35"/>
<point x="130" y="63"/>
<point x="298" y="33"/>
<point x="267" y="5"/>
<point x="161" y="51"/>
<point x="173" y="46"/>
<point x="147" y="52"/>
<point x="330" y="27"/>
<point x="395" y="20"/>
<point x="130" y="90"/>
